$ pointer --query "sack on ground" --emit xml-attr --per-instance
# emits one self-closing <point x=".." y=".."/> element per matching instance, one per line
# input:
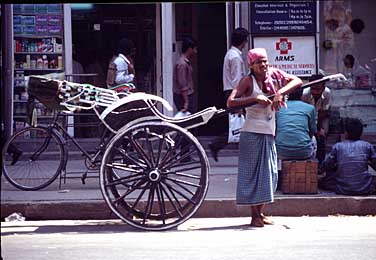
<point x="235" y="123"/>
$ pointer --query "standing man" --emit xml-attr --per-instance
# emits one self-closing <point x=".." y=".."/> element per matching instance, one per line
<point x="234" y="70"/>
<point x="183" y="77"/>
<point x="257" y="169"/>
<point x="319" y="96"/>
<point x="183" y="84"/>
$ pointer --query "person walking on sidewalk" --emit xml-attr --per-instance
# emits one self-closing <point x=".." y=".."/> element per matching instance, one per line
<point x="257" y="169"/>
<point x="183" y="88"/>
<point x="233" y="72"/>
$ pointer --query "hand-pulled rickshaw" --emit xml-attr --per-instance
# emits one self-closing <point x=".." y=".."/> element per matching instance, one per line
<point x="154" y="173"/>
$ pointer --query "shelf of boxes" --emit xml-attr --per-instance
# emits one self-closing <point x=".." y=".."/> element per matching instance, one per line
<point x="38" y="45"/>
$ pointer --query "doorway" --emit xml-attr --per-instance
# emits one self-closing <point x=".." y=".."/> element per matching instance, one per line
<point x="95" y="36"/>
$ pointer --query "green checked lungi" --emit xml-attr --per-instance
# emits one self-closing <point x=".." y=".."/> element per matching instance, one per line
<point x="257" y="170"/>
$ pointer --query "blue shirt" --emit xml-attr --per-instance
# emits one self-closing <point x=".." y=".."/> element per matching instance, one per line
<point x="295" y="127"/>
<point x="348" y="164"/>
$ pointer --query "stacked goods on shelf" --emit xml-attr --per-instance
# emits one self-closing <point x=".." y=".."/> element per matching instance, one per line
<point x="38" y="45"/>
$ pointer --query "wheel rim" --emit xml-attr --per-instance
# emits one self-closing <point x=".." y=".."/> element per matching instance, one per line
<point x="39" y="163"/>
<point x="146" y="180"/>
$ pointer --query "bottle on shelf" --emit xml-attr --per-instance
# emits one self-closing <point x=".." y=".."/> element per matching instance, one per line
<point x="45" y="61"/>
<point x="33" y="63"/>
<point x="28" y="61"/>
<point x="39" y="62"/>
<point x="60" y="62"/>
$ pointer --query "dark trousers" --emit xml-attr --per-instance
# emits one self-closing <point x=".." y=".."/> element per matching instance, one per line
<point x="179" y="103"/>
<point x="321" y="148"/>
<point x="220" y="141"/>
<point x="12" y="149"/>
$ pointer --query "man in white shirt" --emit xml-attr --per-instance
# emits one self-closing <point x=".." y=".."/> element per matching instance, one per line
<point x="121" y="67"/>
<point x="234" y="70"/>
<point x="125" y="68"/>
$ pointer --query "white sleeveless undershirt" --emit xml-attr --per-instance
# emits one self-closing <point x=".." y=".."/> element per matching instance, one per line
<point x="259" y="119"/>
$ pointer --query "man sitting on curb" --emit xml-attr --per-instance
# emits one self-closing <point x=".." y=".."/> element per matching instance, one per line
<point x="346" y="166"/>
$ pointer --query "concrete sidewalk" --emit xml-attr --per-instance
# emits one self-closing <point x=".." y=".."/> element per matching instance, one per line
<point x="84" y="201"/>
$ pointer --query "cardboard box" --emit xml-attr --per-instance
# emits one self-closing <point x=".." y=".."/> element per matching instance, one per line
<point x="41" y="19"/>
<point x="299" y="177"/>
<point x="28" y="8"/>
<point x="54" y="8"/>
<point x="28" y="20"/>
<point x="41" y="29"/>
<point x="41" y="8"/>
<point x="17" y="19"/>
<point x="55" y="29"/>
<point x="54" y="19"/>
<point x="17" y="8"/>
<point x="28" y="29"/>
<point x="17" y="29"/>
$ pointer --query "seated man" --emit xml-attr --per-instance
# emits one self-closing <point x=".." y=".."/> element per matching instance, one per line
<point x="296" y="125"/>
<point x="319" y="96"/>
<point x="346" y="166"/>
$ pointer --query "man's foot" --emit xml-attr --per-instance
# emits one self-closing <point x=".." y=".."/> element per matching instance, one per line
<point x="266" y="220"/>
<point x="214" y="152"/>
<point x="15" y="157"/>
<point x="257" y="222"/>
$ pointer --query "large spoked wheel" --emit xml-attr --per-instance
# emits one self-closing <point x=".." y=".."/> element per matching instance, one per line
<point x="154" y="175"/>
<point x="32" y="158"/>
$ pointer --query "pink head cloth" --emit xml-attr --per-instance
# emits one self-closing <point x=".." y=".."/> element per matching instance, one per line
<point x="256" y="53"/>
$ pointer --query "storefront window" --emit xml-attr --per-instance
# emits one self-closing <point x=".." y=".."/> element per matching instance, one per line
<point x="346" y="35"/>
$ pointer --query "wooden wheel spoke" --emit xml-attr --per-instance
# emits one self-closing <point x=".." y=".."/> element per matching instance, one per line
<point x="125" y="180"/>
<point x="181" y="170"/>
<point x="161" y="202"/>
<point x="160" y="146"/>
<point x="149" y="145"/>
<point x="178" y="192"/>
<point x="138" y="199"/>
<point x="171" y="162"/>
<point x="120" y="166"/>
<point x="139" y="149"/>
<point x="149" y="205"/>
<point x="177" y="208"/>
<point x="131" y="189"/>
<point x="131" y="158"/>
<point x="180" y="184"/>
<point x="171" y="149"/>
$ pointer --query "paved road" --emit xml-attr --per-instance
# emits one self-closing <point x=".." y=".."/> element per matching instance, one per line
<point x="345" y="238"/>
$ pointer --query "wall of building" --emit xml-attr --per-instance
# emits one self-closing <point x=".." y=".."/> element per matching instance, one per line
<point x="346" y="27"/>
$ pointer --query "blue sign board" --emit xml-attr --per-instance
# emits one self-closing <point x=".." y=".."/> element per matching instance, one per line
<point x="281" y="17"/>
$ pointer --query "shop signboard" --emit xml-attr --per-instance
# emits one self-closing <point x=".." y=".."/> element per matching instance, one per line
<point x="287" y="17"/>
<point x="294" y="54"/>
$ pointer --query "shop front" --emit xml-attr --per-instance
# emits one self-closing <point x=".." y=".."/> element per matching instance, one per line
<point x="89" y="35"/>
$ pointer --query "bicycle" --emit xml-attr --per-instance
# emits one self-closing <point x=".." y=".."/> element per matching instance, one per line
<point x="44" y="155"/>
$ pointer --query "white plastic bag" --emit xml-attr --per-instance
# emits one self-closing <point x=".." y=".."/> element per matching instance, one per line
<point x="235" y="122"/>
<point x="181" y="114"/>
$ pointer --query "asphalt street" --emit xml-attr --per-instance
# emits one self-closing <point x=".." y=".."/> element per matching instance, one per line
<point x="319" y="238"/>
